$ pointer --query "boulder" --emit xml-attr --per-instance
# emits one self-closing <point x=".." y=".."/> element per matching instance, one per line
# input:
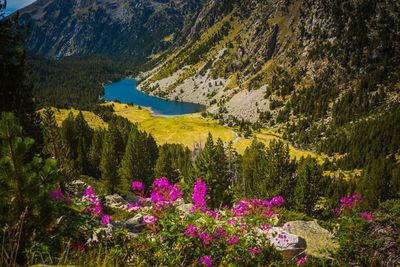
<point x="320" y="241"/>
<point x="116" y="201"/>
<point x="135" y="224"/>
<point x="290" y="245"/>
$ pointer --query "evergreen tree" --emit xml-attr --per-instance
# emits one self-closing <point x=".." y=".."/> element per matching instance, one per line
<point x="139" y="158"/>
<point x="95" y="152"/>
<point x="279" y="178"/>
<point x="15" y="91"/>
<point x="109" y="163"/>
<point x="309" y="186"/>
<point x="25" y="181"/>
<point x="83" y="137"/>
<point x="53" y="145"/>
<point x="211" y="167"/>
<point x="253" y="170"/>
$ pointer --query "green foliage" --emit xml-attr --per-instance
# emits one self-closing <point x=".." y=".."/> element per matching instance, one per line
<point x="72" y="82"/>
<point x="309" y="187"/>
<point x="139" y="159"/>
<point x="20" y="175"/>
<point x="174" y="161"/>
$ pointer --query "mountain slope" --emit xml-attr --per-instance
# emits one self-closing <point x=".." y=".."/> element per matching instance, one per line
<point x="121" y="29"/>
<point x="303" y="66"/>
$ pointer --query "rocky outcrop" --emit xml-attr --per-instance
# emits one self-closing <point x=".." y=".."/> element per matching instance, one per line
<point x="319" y="240"/>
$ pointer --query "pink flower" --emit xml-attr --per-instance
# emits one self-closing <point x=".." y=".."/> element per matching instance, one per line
<point x="106" y="219"/>
<point x="175" y="193"/>
<point x="367" y="216"/>
<point x="254" y="251"/>
<point x="206" y="260"/>
<point x="199" y="194"/>
<point x="234" y="240"/>
<point x="301" y="260"/>
<point x="191" y="231"/>
<point x="150" y="220"/>
<point x="205" y="238"/>
<point x="137" y="187"/>
<point x="278" y="201"/>
<point x="89" y="192"/>
<point x="57" y="194"/>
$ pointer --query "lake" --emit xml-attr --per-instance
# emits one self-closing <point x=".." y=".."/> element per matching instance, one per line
<point x="126" y="92"/>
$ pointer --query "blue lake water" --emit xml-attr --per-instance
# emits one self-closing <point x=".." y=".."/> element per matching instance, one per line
<point x="125" y="91"/>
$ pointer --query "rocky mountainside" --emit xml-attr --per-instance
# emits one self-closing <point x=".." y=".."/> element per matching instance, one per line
<point x="120" y="29"/>
<point x="291" y="63"/>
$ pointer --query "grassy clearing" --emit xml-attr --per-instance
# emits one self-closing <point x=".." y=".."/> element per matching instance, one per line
<point x="92" y="119"/>
<point x="266" y="136"/>
<point x="187" y="130"/>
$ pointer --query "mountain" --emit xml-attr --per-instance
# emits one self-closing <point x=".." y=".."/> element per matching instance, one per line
<point x="307" y="68"/>
<point x="259" y="56"/>
<point x="121" y="29"/>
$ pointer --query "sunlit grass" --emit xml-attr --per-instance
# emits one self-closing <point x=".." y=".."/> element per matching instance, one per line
<point x="187" y="130"/>
<point x="92" y="119"/>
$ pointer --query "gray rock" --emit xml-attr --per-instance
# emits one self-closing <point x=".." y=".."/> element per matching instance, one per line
<point x="290" y="245"/>
<point x="320" y="242"/>
<point x="116" y="201"/>
<point x="135" y="224"/>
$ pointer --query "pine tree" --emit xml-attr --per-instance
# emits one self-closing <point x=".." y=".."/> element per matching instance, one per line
<point x="53" y="145"/>
<point x="210" y="166"/>
<point x="15" y="91"/>
<point x="83" y="141"/>
<point x="253" y="170"/>
<point x="139" y="158"/>
<point x="309" y="186"/>
<point x="95" y="152"/>
<point x="279" y="170"/>
<point x="109" y="163"/>
<point x="25" y="181"/>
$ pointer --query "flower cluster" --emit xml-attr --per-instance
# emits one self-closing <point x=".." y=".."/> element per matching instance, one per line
<point x="163" y="193"/>
<point x="257" y="206"/>
<point x="352" y="203"/>
<point x="57" y="194"/>
<point x="138" y="188"/>
<point x="94" y="205"/>
<point x="199" y="195"/>
<point x="206" y="260"/>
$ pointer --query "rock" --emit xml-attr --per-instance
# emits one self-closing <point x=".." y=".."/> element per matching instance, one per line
<point x="290" y="245"/>
<point x="135" y="224"/>
<point x="320" y="241"/>
<point x="116" y="201"/>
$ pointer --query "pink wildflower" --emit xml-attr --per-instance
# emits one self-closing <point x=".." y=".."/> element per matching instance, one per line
<point x="206" y="260"/>
<point x="254" y="251"/>
<point x="175" y="193"/>
<point x="205" y="238"/>
<point x="199" y="194"/>
<point x="89" y="192"/>
<point x="106" y="219"/>
<point x="57" y="194"/>
<point x="150" y="220"/>
<point x="301" y="260"/>
<point x="137" y="187"/>
<point x="234" y="240"/>
<point x="191" y="231"/>
<point x="278" y="201"/>
<point x="133" y="207"/>
<point x="367" y="216"/>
